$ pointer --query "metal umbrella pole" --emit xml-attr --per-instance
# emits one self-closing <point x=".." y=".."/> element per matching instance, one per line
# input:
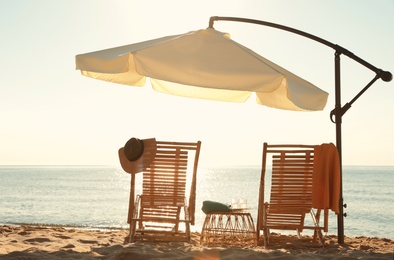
<point x="338" y="111"/>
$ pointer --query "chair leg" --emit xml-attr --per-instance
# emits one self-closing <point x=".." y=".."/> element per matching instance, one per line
<point x="321" y="237"/>
<point x="266" y="231"/>
<point x="176" y="227"/>
<point x="299" y="234"/>
<point x="317" y="234"/>
<point x="266" y="237"/>
<point x="132" y="231"/>
<point x="187" y="231"/>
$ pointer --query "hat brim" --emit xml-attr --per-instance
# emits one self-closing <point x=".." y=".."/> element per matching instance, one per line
<point x="143" y="161"/>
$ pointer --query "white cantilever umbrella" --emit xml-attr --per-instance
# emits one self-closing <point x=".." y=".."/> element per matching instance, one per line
<point x="203" y="64"/>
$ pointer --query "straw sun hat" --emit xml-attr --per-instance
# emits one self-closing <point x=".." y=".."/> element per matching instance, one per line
<point x="133" y="149"/>
<point x="137" y="154"/>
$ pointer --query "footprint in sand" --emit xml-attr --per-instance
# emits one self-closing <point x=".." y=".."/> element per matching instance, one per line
<point x="24" y="233"/>
<point x="62" y="237"/>
<point x="69" y="246"/>
<point x="38" y="239"/>
<point x="83" y="241"/>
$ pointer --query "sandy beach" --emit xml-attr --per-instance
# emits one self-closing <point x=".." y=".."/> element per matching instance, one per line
<point x="37" y="242"/>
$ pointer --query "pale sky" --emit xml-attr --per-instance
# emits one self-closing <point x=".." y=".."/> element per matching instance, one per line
<point x="51" y="114"/>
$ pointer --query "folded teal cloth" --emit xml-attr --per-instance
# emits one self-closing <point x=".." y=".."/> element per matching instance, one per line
<point x="213" y="206"/>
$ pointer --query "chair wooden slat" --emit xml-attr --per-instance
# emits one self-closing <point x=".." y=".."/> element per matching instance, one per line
<point x="158" y="211"/>
<point x="291" y="190"/>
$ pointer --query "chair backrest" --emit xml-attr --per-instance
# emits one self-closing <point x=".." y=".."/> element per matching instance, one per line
<point x="291" y="183"/>
<point x="164" y="181"/>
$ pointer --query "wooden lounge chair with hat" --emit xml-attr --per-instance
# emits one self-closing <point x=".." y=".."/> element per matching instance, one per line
<point x="293" y="173"/>
<point x="162" y="212"/>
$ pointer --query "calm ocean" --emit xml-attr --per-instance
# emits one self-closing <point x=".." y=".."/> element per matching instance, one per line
<point x="97" y="196"/>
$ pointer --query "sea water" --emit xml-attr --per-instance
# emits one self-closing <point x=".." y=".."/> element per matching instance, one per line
<point x="98" y="196"/>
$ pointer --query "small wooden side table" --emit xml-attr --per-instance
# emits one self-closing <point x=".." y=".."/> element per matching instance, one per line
<point x="233" y="228"/>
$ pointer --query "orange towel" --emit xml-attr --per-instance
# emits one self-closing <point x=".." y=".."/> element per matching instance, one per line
<point x="326" y="178"/>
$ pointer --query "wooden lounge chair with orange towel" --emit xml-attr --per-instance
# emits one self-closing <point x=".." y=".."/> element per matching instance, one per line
<point x="162" y="209"/>
<point x="304" y="181"/>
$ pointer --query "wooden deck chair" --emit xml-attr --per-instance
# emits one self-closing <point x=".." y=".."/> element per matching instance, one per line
<point x="161" y="209"/>
<point x="291" y="192"/>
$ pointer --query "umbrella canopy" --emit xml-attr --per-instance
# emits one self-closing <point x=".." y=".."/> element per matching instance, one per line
<point x="203" y="64"/>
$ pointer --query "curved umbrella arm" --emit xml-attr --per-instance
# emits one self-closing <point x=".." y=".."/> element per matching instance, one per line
<point x="384" y="75"/>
